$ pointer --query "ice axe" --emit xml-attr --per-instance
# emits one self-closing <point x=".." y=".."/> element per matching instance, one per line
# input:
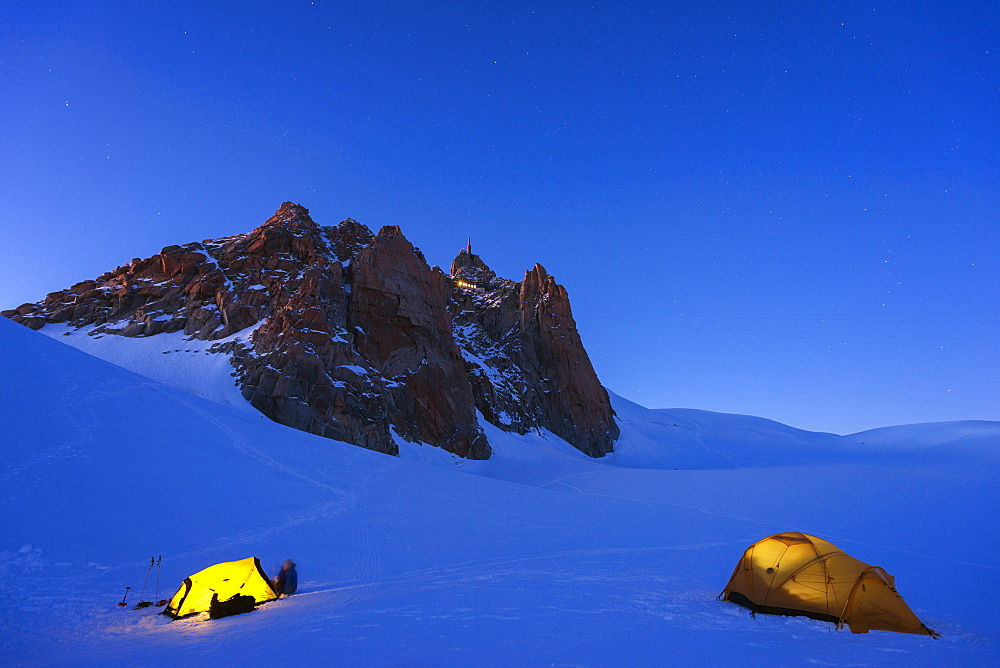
<point x="122" y="604"/>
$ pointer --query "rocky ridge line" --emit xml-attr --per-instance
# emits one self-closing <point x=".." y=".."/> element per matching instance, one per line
<point x="356" y="338"/>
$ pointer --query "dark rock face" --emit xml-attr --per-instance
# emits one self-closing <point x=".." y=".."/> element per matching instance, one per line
<point x="526" y="362"/>
<point x="357" y="338"/>
<point x="400" y="317"/>
<point x="575" y="405"/>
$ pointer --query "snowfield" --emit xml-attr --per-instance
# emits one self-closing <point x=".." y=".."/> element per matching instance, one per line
<point x="539" y="556"/>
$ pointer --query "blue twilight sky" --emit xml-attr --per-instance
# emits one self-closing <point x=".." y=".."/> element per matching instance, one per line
<point x="786" y="209"/>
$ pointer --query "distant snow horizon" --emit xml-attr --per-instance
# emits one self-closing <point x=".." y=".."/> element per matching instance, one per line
<point x="181" y="362"/>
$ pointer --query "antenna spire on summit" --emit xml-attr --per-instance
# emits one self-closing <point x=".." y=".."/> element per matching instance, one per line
<point x="468" y="247"/>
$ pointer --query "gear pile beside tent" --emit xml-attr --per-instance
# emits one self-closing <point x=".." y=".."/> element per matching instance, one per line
<point x="797" y="574"/>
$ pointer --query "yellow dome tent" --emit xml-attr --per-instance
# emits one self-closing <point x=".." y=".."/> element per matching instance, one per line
<point x="797" y="574"/>
<point x="227" y="579"/>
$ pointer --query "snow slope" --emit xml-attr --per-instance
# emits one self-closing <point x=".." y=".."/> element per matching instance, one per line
<point x="173" y="359"/>
<point x="538" y="556"/>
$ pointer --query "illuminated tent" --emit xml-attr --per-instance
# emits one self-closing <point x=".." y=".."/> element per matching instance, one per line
<point x="227" y="579"/>
<point x="798" y="574"/>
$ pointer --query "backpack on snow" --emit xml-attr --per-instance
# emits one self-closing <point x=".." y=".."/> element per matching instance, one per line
<point x="236" y="605"/>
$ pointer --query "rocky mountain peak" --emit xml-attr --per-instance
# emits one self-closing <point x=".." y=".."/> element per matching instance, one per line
<point x="469" y="271"/>
<point x="289" y="212"/>
<point x="390" y="231"/>
<point x="354" y="337"/>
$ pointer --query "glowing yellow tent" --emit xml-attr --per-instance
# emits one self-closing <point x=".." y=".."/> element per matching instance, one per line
<point x="244" y="577"/>
<point x="797" y="574"/>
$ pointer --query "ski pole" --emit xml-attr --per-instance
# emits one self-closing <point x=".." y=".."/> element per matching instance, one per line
<point x="122" y="604"/>
<point x="159" y="560"/>
<point x="142" y="597"/>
